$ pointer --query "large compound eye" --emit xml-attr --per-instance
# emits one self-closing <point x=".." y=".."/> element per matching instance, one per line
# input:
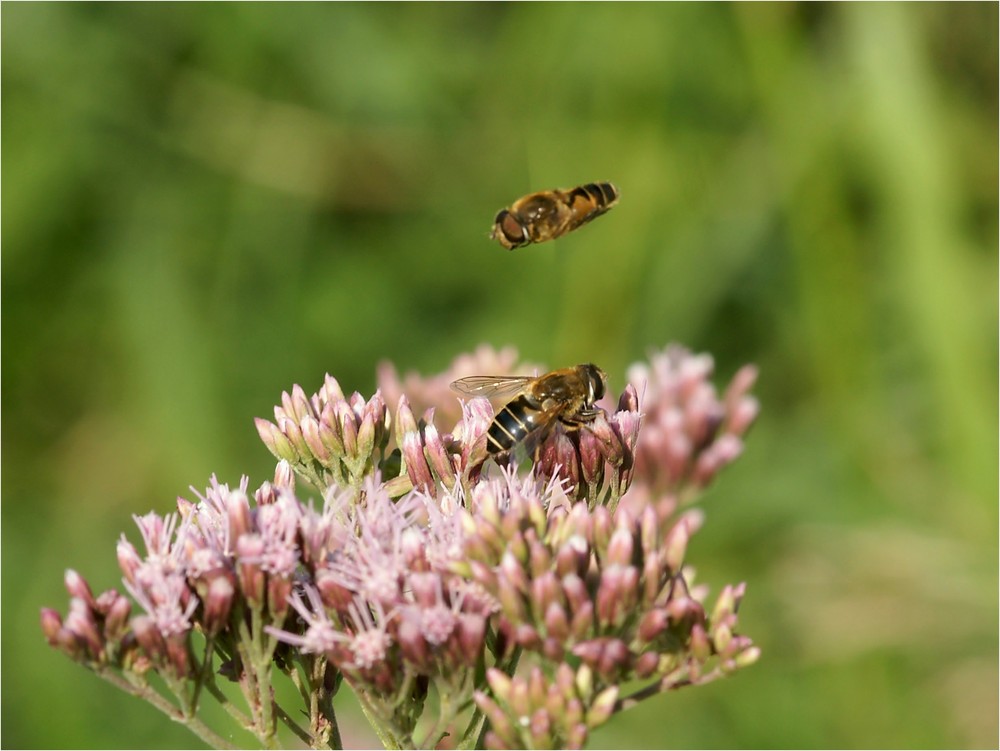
<point x="510" y="230"/>
<point x="598" y="385"/>
<point x="596" y="376"/>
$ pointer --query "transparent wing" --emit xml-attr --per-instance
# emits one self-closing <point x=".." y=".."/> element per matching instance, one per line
<point x="491" y="386"/>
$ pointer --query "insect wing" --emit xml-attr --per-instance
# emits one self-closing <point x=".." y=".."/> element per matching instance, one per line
<point x="491" y="386"/>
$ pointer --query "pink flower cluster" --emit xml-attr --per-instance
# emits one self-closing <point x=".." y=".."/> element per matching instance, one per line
<point x="427" y="571"/>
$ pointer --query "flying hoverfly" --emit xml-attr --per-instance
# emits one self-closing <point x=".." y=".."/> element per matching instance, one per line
<point x="550" y="214"/>
<point x="566" y="396"/>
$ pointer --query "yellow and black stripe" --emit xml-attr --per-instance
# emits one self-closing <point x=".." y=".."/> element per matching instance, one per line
<point x="513" y="423"/>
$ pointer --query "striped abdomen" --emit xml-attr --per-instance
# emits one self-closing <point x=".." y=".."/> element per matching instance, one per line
<point x="515" y="421"/>
<point x="599" y="196"/>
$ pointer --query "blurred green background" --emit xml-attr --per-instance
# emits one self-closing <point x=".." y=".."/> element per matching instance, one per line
<point x="204" y="204"/>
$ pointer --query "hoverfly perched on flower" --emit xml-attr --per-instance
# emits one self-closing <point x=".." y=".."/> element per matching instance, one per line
<point x="550" y="214"/>
<point x="566" y="396"/>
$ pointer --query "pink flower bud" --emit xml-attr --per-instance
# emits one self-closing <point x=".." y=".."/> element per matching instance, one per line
<point x="416" y="463"/>
<point x="311" y="435"/>
<point x="330" y="391"/>
<point x="540" y="729"/>
<point x="249" y="552"/>
<point x="80" y="621"/>
<point x="647" y="664"/>
<point x="149" y="638"/>
<point x="471" y="637"/>
<point x="178" y="655"/>
<point x="77" y="586"/>
<point x="621" y="547"/>
<point x="437" y="457"/>
<point x="51" y="625"/>
<point x="128" y="559"/>
<point x="116" y="623"/>
<point x="218" y="603"/>
<point x="293" y="433"/>
<point x="629" y="400"/>
<point x="275" y="440"/>
<point x="278" y="589"/>
<point x="556" y="621"/>
<point x="238" y="516"/>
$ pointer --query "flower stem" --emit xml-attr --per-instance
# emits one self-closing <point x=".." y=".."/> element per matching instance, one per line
<point x="144" y="691"/>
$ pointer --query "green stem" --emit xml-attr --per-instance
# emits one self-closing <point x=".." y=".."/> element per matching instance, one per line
<point x="293" y="725"/>
<point x="324" y="704"/>
<point x="387" y="739"/>
<point x="244" y="721"/>
<point x="473" y="731"/>
<point x="262" y="668"/>
<point x="144" y="691"/>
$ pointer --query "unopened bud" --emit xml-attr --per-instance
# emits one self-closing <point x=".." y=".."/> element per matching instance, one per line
<point x="77" y="586"/>
<point x="218" y="603"/>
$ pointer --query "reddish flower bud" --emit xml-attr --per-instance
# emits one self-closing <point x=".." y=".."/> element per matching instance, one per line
<point x="416" y="463"/>
<point x="80" y="621"/>
<point x="116" y="623"/>
<point x="556" y="621"/>
<point x="653" y="624"/>
<point x="77" y="586"/>
<point x="238" y="516"/>
<point x="278" y="589"/>
<point x="437" y="457"/>
<point x="149" y="638"/>
<point x="471" y="637"/>
<point x="178" y="655"/>
<point x="249" y="552"/>
<point x="51" y="625"/>
<point x="647" y="664"/>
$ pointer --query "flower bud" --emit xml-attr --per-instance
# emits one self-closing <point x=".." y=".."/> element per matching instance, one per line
<point x="77" y="586"/>
<point x="411" y="640"/>
<point x="620" y="549"/>
<point x="347" y="422"/>
<point x="311" y="434"/>
<point x="416" y="463"/>
<point x="238" y="516"/>
<point x="602" y="707"/>
<point x="128" y="559"/>
<point x="577" y="736"/>
<point x="80" y="621"/>
<point x="437" y="457"/>
<point x="743" y="415"/>
<point x="556" y="621"/>
<point x="591" y="458"/>
<point x="477" y="416"/>
<point x="366" y="440"/>
<point x="278" y="589"/>
<point x="647" y="664"/>
<point x="149" y="638"/>
<point x="178" y="655"/>
<point x="573" y="556"/>
<point x="471" y="637"/>
<point x="276" y="441"/>
<point x="502" y="733"/>
<point x="116" y="623"/>
<point x="747" y="657"/>
<point x="615" y="659"/>
<point x="701" y="648"/>
<point x="51" y="625"/>
<point x="330" y="391"/>
<point x="249" y="551"/>
<point x="218" y="603"/>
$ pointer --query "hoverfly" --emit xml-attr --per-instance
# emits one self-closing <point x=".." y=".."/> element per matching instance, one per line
<point x="566" y="396"/>
<point x="551" y="213"/>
